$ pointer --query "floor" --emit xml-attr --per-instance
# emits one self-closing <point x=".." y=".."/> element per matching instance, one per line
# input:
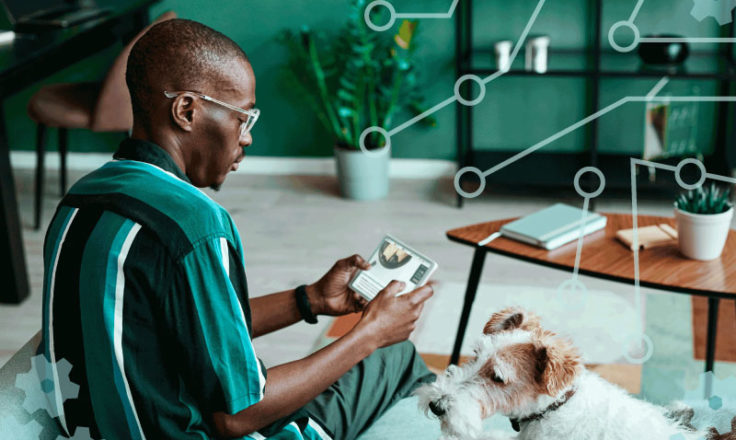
<point x="295" y="227"/>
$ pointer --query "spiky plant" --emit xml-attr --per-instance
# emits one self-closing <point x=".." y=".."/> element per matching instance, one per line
<point x="356" y="78"/>
<point x="705" y="200"/>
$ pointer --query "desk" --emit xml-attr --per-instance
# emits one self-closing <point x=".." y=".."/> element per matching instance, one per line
<point x="29" y="59"/>
<point x="604" y="257"/>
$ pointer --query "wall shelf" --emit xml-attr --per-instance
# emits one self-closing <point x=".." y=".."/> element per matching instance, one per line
<point x="554" y="170"/>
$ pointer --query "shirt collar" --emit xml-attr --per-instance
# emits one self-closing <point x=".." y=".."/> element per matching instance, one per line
<point x="145" y="151"/>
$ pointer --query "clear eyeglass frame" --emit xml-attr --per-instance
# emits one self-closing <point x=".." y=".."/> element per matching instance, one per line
<point x="245" y="126"/>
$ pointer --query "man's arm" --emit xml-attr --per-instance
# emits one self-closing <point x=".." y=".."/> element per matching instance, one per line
<point x="330" y="295"/>
<point x="278" y="310"/>
<point x="387" y="320"/>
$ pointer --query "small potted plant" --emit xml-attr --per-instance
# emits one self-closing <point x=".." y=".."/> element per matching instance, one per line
<point x="357" y="79"/>
<point x="703" y="221"/>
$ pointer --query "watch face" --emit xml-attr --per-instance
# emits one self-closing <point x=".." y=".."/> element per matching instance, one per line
<point x="392" y="256"/>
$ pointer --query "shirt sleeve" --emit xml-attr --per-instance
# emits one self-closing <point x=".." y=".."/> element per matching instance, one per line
<point x="208" y="320"/>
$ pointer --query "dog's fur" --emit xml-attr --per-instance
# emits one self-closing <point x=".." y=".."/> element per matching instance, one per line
<point x="520" y="370"/>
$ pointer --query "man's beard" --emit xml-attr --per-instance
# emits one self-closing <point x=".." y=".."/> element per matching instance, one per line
<point x="216" y="186"/>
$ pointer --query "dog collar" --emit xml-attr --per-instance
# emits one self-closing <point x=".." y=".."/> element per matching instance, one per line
<point x="516" y="423"/>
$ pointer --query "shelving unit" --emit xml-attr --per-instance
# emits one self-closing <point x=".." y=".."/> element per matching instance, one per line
<point x="593" y="65"/>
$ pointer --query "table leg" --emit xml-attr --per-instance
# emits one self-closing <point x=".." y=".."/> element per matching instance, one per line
<point x="475" y="271"/>
<point x="13" y="271"/>
<point x="710" y="348"/>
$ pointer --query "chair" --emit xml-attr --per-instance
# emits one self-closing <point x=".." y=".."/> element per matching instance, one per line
<point x="97" y="106"/>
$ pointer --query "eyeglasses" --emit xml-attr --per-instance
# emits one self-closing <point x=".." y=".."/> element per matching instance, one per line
<point x="245" y="126"/>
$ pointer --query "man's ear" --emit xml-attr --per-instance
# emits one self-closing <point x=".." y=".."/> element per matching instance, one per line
<point x="183" y="110"/>
<point x="557" y="364"/>
<point x="509" y="319"/>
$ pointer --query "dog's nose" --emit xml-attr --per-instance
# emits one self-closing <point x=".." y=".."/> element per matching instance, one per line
<point x="436" y="409"/>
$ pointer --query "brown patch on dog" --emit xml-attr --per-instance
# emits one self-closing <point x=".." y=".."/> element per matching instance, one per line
<point x="521" y="358"/>
<point x="557" y="362"/>
<point x="511" y="318"/>
<point x="714" y="435"/>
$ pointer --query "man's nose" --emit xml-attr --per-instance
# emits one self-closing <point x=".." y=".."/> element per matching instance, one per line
<point x="436" y="409"/>
<point x="245" y="140"/>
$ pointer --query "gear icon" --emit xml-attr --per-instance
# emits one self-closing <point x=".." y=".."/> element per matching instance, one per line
<point x="721" y="10"/>
<point x="12" y="428"/>
<point x="81" y="433"/>
<point x="714" y="403"/>
<point x="40" y="388"/>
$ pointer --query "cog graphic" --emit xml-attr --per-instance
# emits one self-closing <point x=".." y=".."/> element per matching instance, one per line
<point x="81" y="433"/>
<point x="719" y="9"/>
<point x="10" y="428"/>
<point x="38" y="384"/>
<point x="714" y="403"/>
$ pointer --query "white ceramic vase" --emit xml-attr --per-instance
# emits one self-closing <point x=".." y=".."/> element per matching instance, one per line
<point x="702" y="236"/>
<point x="363" y="176"/>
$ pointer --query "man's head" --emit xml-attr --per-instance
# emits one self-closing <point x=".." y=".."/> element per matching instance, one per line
<point x="188" y="60"/>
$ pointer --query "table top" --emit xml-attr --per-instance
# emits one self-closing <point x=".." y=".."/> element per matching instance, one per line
<point x="603" y="256"/>
<point x="30" y="56"/>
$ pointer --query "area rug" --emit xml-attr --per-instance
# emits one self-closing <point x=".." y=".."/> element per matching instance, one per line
<point x="726" y="335"/>
<point x="599" y="327"/>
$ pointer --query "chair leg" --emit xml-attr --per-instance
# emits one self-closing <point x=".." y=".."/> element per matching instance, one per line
<point x="40" y="155"/>
<point x="63" y="138"/>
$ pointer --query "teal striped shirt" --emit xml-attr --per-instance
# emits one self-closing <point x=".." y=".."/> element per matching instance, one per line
<point x="145" y="293"/>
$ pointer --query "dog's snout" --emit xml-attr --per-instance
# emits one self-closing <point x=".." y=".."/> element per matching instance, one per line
<point x="436" y="409"/>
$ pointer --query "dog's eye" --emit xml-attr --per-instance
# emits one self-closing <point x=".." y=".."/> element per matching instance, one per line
<point x="496" y="378"/>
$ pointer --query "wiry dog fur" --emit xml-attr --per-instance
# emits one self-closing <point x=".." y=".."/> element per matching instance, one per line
<point x="519" y="370"/>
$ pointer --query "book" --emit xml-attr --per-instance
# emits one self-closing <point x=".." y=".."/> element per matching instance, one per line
<point x="649" y="236"/>
<point x="552" y="227"/>
<point x="393" y="260"/>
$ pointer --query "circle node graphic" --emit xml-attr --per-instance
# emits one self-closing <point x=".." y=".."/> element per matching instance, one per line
<point x="367" y="132"/>
<point x="472" y="170"/>
<point x="391" y="13"/>
<point x="638" y="348"/>
<point x="573" y="293"/>
<point x="612" y="36"/>
<point x="678" y="172"/>
<point x="601" y="185"/>
<point x="470" y="102"/>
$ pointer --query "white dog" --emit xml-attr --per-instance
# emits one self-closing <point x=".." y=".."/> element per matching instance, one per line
<point x="537" y="379"/>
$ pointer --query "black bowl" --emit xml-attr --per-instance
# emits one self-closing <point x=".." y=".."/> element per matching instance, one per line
<point x="663" y="53"/>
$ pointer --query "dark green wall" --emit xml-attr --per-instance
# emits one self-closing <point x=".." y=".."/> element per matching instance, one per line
<point x="516" y="113"/>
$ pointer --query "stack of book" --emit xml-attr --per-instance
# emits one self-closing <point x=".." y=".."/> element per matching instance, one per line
<point x="552" y="227"/>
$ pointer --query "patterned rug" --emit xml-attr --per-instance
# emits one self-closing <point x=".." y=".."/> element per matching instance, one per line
<point x="726" y="335"/>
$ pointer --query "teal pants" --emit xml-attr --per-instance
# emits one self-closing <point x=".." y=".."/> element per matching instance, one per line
<point x="363" y="394"/>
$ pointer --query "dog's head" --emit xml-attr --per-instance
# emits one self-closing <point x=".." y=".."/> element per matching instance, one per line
<point x="518" y="368"/>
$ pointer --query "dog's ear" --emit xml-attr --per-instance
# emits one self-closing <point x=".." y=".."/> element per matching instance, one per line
<point x="509" y="319"/>
<point x="557" y="364"/>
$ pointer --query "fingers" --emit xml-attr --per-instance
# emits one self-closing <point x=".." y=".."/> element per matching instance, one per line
<point x="360" y="301"/>
<point x="422" y="294"/>
<point x="393" y="288"/>
<point x="354" y="261"/>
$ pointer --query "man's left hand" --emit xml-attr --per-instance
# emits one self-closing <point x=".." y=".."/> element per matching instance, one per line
<point x="331" y="294"/>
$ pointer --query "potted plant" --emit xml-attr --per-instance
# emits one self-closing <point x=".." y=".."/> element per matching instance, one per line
<point x="354" y="80"/>
<point x="703" y="221"/>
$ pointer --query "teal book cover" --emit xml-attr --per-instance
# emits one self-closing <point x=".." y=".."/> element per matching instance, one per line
<point x="553" y="226"/>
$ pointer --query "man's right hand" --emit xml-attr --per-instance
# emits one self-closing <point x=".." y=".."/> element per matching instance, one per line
<point x="389" y="319"/>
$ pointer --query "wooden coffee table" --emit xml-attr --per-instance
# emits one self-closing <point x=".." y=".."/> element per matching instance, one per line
<point x="605" y="257"/>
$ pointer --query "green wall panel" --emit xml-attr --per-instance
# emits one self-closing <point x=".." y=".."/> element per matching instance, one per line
<point x="517" y="112"/>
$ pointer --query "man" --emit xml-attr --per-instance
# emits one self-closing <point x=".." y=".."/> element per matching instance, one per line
<point x="145" y="290"/>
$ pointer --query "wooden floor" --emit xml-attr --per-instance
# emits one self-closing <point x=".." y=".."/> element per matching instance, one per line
<point x="295" y="227"/>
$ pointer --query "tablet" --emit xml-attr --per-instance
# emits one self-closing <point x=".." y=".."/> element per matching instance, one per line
<point x="393" y="260"/>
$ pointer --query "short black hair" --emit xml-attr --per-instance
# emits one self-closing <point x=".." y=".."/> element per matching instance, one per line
<point x="183" y="54"/>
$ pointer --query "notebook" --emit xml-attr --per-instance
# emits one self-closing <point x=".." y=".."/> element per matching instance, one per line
<point x="552" y="227"/>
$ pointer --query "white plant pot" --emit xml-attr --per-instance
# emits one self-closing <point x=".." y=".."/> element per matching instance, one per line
<point x="702" y="236"/>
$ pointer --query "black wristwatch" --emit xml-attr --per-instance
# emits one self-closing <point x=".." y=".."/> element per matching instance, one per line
<point x="302" y="304"/>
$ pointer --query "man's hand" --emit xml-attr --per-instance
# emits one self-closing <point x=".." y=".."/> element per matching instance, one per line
<point x="390" y="319"/>
<point x="331" y="294"/>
